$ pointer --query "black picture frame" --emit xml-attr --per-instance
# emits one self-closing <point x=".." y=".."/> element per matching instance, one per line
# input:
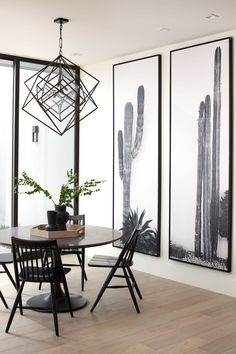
<point x="201" y="154"/>
<point x="137" y="150"/>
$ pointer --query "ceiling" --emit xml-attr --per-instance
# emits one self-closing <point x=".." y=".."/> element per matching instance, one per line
<point x="99" y="30"/>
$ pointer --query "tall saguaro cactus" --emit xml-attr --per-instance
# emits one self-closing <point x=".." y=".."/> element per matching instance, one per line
<point x="208" y="170"/>
<point x="215" y="203"/>
<point x="127" y="150"/>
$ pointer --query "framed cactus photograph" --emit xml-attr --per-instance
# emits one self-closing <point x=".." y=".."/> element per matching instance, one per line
<point x="137" y="151"/>
<point x="201" y="154"/>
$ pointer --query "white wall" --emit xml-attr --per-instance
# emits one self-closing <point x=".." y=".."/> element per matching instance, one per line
<point x="96" y="161"/>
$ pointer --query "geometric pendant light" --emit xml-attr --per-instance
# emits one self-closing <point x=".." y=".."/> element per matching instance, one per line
<point x="58" y="96"/>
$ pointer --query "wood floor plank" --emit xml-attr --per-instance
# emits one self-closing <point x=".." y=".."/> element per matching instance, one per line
<point x="175" y="319"/>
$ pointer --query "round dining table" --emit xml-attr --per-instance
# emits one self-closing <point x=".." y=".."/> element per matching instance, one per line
<point x="93" y="236"/>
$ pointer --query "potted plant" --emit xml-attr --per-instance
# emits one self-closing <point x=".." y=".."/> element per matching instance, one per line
<point x="68" y="192"/>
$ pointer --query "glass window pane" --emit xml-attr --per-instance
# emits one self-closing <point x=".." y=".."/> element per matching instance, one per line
<point x="6" y="99"/>
<point x="46" y="161"/>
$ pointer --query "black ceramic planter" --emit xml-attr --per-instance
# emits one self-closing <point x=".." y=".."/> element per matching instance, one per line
<point x="52" y="220"/>
<point x="62" y="217"/>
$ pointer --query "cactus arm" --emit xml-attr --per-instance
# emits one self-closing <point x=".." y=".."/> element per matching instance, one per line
<point x="140" y="121"/>
<point x="120" y="154"/>
<point x="207" y="179"/>
<point x="216" y="152"/>
<point x="128" y="129"/>
<point x="198" y="224"/>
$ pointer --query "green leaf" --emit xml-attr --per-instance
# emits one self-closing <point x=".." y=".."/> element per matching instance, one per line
<point x="68" y="191"/>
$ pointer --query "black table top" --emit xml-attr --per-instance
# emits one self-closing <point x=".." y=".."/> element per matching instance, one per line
<point x="93" y="236"/>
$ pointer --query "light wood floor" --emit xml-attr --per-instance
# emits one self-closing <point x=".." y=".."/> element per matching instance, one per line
<point x="175" y="318"/>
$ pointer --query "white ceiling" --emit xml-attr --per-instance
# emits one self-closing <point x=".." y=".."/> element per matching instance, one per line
<point x="103" y="29"/>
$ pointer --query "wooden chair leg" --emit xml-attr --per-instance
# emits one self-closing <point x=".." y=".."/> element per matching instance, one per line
<point x="81" y="261"/>
<point x="67" y="296"/>
<point x="103" y="288"/>
<point x="20" y="300"/>
<point x="13" y="311"/>
<point x="54" y="309"/>
<point x="134" y="282"/>
<point x="3" y="300"/>
<point x="9" y="274"/>
<point x="131" y="290"/>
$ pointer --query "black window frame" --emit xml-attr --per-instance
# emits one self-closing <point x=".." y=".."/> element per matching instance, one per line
<point x="16" y="61"/>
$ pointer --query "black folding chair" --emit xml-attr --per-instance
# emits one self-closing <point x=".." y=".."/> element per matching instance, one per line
<point x="40" y="262"/>
<point x="123" y="262"/>
<point x="79" y="252"/>
<point x="6" y="258"/>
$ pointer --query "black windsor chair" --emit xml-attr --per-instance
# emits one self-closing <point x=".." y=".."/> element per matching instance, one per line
<point x="40" y="262"/>
<point x="79" y="252"/>
<point x="123" y="262"/>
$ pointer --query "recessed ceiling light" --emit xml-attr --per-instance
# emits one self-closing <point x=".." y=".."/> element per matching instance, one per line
<point x="212" y="16"/>
<point x="164" y="29"/>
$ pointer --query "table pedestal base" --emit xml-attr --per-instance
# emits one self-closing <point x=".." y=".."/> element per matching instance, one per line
<point x="43" y="303"/>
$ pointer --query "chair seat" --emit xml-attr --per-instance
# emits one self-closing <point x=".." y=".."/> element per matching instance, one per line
<point x="6" y="258"/>
<point x="36" y="274"/>
<point x="99" y="260"/>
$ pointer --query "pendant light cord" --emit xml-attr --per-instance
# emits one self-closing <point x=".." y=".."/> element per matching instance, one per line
<point x="60" y="76"/>
<point x="60" y="39"/>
